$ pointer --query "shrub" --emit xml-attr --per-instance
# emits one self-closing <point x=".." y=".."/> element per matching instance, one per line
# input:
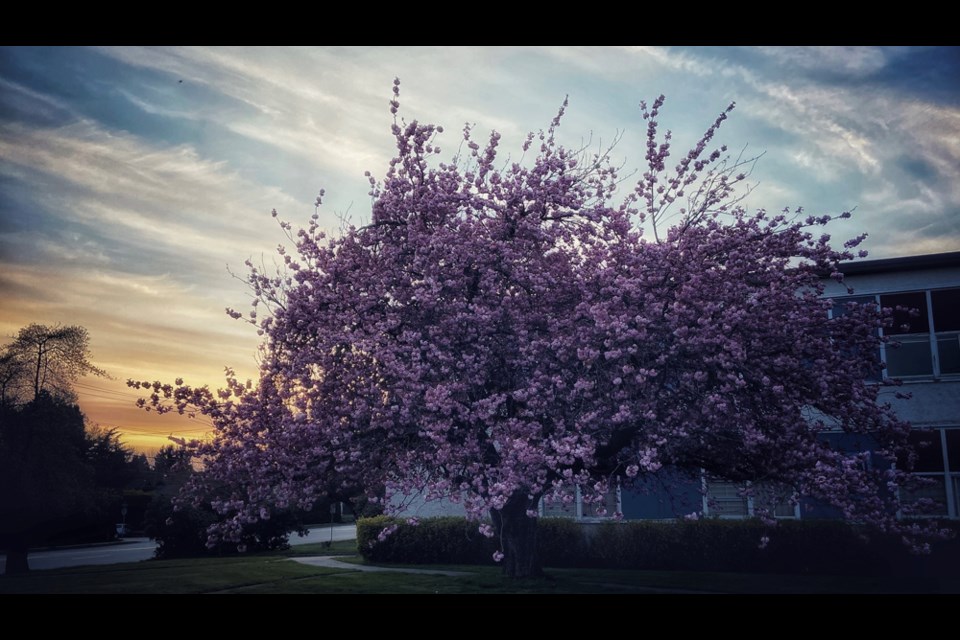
<point x="793" y="546"/>
<point x="446" y="540"/>
<point x="452" y="540"/>
<point x="563" y="543"/>
<point x="183" y="533"/>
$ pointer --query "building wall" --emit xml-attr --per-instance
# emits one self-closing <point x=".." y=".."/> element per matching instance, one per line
<point x="418" y="506"/>
<point x="891" y="282"/>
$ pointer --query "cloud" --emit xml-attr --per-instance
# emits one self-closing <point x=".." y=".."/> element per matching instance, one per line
<point x="124" y="192"/>
<point x="932" y="133"/>
<point x="850" y="61"/>
<point x="169" y="202"/>
<point x="312" y="104"/>
<point x="25" y="103"/>
<point x="329" y="107"/>
<point x="131" y="240"/>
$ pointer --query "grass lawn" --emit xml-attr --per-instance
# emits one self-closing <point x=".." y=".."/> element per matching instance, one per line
<point x="276" y="573"/>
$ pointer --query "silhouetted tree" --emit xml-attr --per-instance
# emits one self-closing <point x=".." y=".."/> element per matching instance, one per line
<point x="110" y="459"/>
<point x="46" y="484"/>
<point x="43" y="358"/>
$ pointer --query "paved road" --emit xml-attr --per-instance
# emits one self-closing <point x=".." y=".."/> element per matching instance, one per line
<point x="137" y="549"/>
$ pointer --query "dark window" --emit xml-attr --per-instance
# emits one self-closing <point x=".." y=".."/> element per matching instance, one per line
<point x="948" y="350"/>
<point x="912" y="315"/>
<point x="946" y="310"/>
<point x="909" y="356"/>
<point x="841" y="307"/>
<point x="946" y="322"/>
<point x="929" y="451"/>
<point x="939" y="492"/>
<point x="953" y="449"/>
<point x="911" y="351"/>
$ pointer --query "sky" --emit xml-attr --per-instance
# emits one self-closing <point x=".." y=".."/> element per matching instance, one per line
<point x="135" y="182"/>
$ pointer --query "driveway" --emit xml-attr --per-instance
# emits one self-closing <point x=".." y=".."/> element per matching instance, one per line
<point x="137" y="549"/>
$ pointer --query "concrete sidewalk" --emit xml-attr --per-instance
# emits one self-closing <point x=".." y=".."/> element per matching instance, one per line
<point x="332" y="563"/>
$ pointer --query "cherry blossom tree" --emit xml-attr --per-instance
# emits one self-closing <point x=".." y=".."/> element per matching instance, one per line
<point x="502" y="330"/>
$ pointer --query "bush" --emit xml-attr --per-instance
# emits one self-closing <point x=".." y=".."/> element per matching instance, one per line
<point x="824" y="547"/>
<point x="179" y="534"/>
<point x="445" y="540"/>
<point x="183" y="533"/>
<point x="793" y="546"/>
<point x="633" y="544"/>
<point x="453" y="540"/>
<point x="732" y="545"/>
<point x="563" y="543"/>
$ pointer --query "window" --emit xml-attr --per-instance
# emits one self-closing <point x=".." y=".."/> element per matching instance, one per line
<point x="560" y="509"/>
<point x="840" y="308"/>
<point x="926" y="326"/>
<point x="938" y="460"/>
<point x="726" y="500"/>
<point x="577" y="508"/>
<point x="946" y="325"/>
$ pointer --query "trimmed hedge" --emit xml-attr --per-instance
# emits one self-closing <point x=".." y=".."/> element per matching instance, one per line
<point x="452" y="540"/>
<point x="444" y="540"/>
<point x="793" y="546"/>
<point x="821" y="547"/>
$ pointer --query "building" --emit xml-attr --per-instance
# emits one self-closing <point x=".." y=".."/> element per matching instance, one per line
<point x="927" y="361"/>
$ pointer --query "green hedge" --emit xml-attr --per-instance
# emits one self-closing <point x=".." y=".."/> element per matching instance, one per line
<point x="737" y="545"/>
<point x="446" y="540"/>
<point x="452" y="540"/>
<point x="793" y="546"/>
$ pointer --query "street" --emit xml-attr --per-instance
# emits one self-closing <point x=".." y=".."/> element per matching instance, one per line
<point x="137" y="549"/>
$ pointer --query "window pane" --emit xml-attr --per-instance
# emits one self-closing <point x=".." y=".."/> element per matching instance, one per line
<point x="561" y="508"/>
<point x="946" y="310"/>
<point x="935" y="493"/>
<point x="840" y="304"/>
<point x="774" y="498"/>
<point x="911" y="358"/>
<point x="723" y="499"/>
<point x="956" y="493"/>
<point x="929" y="450"/>
<point x="948" y="351"/>
<point x="840" y="309"/>
<point x="609" y="506"/>
<point x="915" y="322"/>
<point x="953" y="449"/>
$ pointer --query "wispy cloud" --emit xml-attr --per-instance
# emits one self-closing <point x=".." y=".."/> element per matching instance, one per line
<point x="855" y="61"/>
<point x="130" y="181"/>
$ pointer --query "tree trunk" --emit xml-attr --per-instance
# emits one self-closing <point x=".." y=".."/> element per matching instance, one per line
<point x="518" y="538"/>
<point x="17" y="555"/>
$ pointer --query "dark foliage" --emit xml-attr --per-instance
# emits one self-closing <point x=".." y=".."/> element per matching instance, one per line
<point x="822" y="547"/>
